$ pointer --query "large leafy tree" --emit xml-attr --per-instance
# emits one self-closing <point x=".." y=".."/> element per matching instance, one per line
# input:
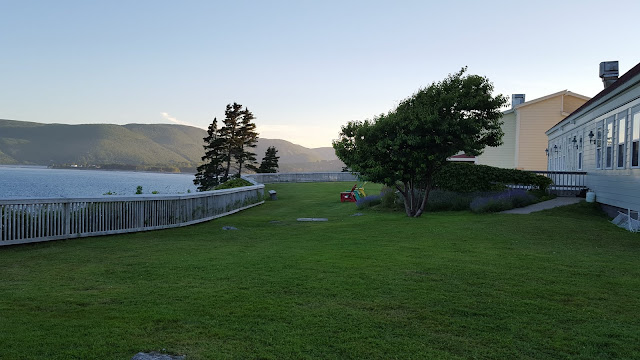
<point x="269" y="162"/>
<point x="208" y="175"/>
<point x="408" y="146"/>
<point x="245" y="142"/>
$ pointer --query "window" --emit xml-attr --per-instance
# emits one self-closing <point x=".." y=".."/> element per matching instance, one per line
<point x="599" y="146"/>
<point x="564" y="154"/>
<point x="635" y="135"/>
<point x="620" y="139"/>
<point x="580" y="148"/>
<point x="608" y="154"/>
<point x="579" y="161"/>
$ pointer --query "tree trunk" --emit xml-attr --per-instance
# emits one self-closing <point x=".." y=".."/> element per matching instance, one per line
<point x="423" y="204"/>
<point x="410" y="201"/>
<point x="414" y="204"/>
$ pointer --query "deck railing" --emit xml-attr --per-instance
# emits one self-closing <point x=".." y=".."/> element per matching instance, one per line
<point x="35" y="220"/>
<point x="565" y="183"/>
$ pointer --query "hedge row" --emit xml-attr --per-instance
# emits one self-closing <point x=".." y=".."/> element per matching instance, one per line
<point x="461" y="177"/>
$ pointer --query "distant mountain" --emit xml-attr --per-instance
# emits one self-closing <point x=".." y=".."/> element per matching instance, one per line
<point x="150" y="146"/>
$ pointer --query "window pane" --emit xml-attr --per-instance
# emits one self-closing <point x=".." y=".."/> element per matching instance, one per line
<point x="609" y="132"/>
<point x="579" y="161"/>
<point x="634" y="153"/>
<point x="599" y="158"/>
<point x="621" y="155"/>
<point x="621" y="128"/>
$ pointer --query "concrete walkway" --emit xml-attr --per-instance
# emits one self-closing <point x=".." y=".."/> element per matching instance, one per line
<point x="559" y="201"/>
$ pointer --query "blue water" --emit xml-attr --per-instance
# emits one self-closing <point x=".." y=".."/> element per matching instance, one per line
<point x="41" y="182"/>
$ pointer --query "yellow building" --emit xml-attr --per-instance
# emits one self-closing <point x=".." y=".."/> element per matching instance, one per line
<point x="524" y="127"/>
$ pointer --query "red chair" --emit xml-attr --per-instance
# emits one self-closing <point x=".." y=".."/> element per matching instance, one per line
<point x="349" y="196"/>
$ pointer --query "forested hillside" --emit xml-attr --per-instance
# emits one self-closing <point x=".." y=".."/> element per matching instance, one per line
<point x="165" y="147"/>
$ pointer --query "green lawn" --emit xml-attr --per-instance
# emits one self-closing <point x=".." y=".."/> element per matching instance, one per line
<point x="562" y="283"/>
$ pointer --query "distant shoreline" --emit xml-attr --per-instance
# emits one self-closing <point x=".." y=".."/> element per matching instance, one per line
<point x="94" y="168"/>
<point x="133" y="168"/>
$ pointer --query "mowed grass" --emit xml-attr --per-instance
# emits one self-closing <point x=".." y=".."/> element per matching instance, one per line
<point x="562" y="283"/>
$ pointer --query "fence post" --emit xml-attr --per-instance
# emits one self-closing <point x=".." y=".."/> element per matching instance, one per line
<point x="67" y="218"/>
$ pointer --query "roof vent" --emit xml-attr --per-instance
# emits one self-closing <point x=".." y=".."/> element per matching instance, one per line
<point x="608" y="72"/>
<point x="516" y="99"/>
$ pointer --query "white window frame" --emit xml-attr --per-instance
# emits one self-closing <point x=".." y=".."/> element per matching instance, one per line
<point x="580" y="145"/>
<point x="620" y="140"/>
<point x="609" y="132"/>
<point x="599" y="156"/>
<point x="563" y="155"/>
<point x="634" y="135"/>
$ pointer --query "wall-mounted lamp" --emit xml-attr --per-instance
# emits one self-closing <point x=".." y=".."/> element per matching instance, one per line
<point x="591" y="137"/>
<point x="555" y="148"/>
<point x="575" y="141"/>
<point x="546" y="151"/>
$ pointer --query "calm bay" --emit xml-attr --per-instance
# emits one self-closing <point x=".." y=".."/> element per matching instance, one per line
<point x="18" y="182"/>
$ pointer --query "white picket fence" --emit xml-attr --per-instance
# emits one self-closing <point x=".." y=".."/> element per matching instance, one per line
<point x="34" y="220"/>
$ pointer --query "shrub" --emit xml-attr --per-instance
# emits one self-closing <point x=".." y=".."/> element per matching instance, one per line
<point x="390" y="199"/>
<point x="443" y="200"/>
<point x="461" y="177"/>
<point x="479" y="201"/>
<point x="501" y="201"/>
<point x="439" y="200"/>
<point x="139" y="190"/>
<point x="369" y="201"/>
<point x="233" y="183"/>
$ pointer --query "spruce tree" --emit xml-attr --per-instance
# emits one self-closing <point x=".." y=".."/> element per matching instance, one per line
<point x="232" y="116"/>
<point x="246" y="138"/>
<point x="269" y="162"/>
<point x="208" y="175"/>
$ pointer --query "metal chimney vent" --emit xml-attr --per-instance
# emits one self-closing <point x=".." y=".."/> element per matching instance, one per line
<point x="608" y="72"/>
<point x="516" y="99"/>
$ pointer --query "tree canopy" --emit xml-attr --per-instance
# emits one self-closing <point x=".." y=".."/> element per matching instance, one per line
<point x="269" y="162"/>
<point x="208" y="174"/>
<point x="406" y="147"/>
<point x="227" y="146"/>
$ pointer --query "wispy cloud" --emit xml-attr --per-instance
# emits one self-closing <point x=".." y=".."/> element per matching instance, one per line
<point x="168" y="117"/>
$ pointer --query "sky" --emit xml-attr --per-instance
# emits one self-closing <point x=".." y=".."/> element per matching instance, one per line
<point x="304" y="68"/>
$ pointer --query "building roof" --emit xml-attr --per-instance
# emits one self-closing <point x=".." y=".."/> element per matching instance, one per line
<point x="619" y="83"/>
<point x="463" y="156"/>
<point x="534" y="101"/>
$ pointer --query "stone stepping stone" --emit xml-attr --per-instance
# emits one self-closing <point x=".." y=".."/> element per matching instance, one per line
<point x="229" y="228"/>
<point x="313" y="219"/>
<point x="156" y="356"/>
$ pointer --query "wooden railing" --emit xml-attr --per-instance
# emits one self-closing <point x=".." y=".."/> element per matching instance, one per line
<point x="565" y="183"/>
<point x="34" y="220"/>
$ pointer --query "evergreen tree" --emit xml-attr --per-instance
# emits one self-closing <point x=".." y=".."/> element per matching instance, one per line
<point x="232" y="116"/>
<point x="208" y="175"/>
<point x="246" y="138"/>
<point x="269" y="162"/>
